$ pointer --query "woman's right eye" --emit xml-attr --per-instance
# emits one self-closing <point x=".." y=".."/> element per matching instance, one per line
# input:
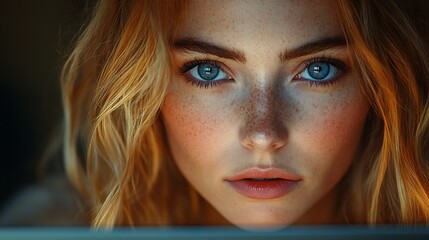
<point x="204" y="73"/>
<point x="207" y="72"/>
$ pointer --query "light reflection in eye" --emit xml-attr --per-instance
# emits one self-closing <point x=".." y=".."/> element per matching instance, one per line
<point x="322" y="71"/>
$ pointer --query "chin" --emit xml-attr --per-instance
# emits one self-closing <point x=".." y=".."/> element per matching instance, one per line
<point x="258" y="227"/>
<point x="257" y="216"/>
<point x="261" y="224"/>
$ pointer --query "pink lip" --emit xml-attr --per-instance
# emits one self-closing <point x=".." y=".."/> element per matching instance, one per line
<point x="260" y="183"/>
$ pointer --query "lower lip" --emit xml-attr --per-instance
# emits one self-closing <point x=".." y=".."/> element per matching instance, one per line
<point x="264" y="189"/>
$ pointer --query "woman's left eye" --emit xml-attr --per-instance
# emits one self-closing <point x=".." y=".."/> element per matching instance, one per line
<point x="321" y="71"/>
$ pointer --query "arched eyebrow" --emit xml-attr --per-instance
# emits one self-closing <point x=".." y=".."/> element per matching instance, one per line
<point x="313" y="47"/>
<point x="195" y="45"/>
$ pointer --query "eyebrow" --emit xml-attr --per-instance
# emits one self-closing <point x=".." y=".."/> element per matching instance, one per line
<point x="313" y="47"/>
<point x="195" y="45"/>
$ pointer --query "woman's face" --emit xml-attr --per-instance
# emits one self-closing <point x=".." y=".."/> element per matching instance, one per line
<point x="264" y="115"/>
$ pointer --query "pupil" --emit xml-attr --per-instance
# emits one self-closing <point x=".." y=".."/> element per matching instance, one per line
<point x="208" y="71"/>
<point x="318" y="70"/>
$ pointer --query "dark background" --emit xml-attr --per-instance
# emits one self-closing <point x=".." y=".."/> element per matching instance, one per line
<point x="35" y="38"/>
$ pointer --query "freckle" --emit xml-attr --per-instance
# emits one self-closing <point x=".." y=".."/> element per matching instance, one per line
<point x="296" y="109"/>
<point x="315" y="105"/>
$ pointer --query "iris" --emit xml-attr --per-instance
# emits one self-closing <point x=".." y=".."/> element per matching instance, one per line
<point x="208" y="71"/>
<point x="318" y="70"/>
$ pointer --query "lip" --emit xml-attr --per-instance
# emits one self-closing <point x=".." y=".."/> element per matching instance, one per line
<point x="269" y="183"/>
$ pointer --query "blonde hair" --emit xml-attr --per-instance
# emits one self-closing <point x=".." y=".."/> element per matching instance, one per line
<point x="390" y="181"/>
<point x="114" y="84"/>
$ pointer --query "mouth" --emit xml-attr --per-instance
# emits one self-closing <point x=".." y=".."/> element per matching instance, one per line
<point x="257" y="183"/>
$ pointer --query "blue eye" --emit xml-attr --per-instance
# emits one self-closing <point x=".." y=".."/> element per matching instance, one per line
<point x="318" y="70"/>
<point x="322" y="70"/>
<point x="207" y="72"/>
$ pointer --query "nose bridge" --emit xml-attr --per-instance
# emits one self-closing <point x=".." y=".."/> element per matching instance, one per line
<point x="262" y="114"/>
<point x="263" y="127"/>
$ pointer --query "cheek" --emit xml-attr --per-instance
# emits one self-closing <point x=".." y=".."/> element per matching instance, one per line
<point x="331" y="130"/>
<point x="336" y="124"/>
<point x="195" y="129"/>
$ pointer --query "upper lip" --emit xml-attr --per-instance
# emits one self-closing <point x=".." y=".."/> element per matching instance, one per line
<point x="264" y="173"/>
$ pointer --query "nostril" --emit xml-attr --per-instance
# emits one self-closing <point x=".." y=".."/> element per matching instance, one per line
<point x="277" y="145"/>
<point x="266" y="141"/>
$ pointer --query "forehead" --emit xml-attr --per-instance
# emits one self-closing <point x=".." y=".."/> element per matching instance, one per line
<point x="241" y="23"/>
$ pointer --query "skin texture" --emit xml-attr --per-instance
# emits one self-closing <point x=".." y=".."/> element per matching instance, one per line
<point x="264" y="115"/>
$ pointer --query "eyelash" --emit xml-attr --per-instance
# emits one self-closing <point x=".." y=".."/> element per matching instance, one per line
<point x="185" y="68"/>
<point x="341" y="66"/>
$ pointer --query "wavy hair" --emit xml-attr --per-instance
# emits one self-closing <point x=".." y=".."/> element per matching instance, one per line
<point x="115" y="80"/>
<point x="389" y="183"/>
<point x="113" y="85"/>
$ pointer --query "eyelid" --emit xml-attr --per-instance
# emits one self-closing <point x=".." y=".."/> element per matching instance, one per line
<point x="333" y="61"/>
<point x="185" y="69"/>
<point x="341" y="66"/>
<point x="188" y="65"/>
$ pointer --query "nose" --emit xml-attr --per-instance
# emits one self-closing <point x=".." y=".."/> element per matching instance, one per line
<point x="263" y="128"/>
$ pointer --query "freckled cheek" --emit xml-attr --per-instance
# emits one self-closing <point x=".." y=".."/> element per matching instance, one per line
<point x="335" y="128"/>
<point x="194" y="128"/>
<point x="329" y="137"/>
